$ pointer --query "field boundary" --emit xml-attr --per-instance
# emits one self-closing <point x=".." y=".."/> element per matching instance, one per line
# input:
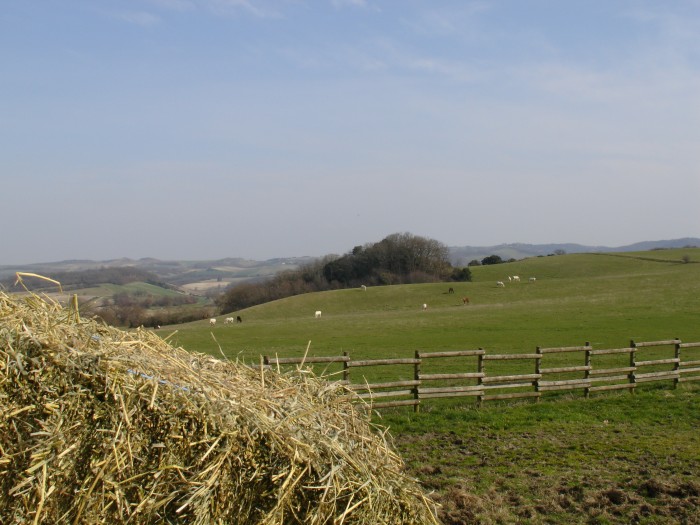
<point x="533" y="376"/>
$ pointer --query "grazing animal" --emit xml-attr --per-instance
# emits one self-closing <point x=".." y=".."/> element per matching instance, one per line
<point x="532" y="279"/>
<point x="451" y="290"/>
<point x="425" y="306"/>
<point x="318" y="314"/>
<point x="516" y="278"/>
<point x="238" y="319"/>
<point x="228" y="320"/>
<point x="500" y="284"/>
<point x="510" y="278"/>
<point x="212" y="321"/>
<point x="465" y="300"/>
<point x="364" y="288"/>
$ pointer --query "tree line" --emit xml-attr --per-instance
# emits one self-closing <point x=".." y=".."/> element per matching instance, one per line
<point x="131" y="312"/>
<point x="400" y="258"/>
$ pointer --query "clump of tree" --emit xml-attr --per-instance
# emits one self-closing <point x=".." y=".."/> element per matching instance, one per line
<point x="399" y="258"/>
<point x="135" y="315"/>
<point x="140" y="309"/>
<point x="146" y="300"/>
<point x="307" y="278"/>
<point x="491" y="259"/>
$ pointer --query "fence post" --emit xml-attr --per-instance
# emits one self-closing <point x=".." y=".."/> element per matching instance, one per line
<point x="633" y="364"/>
<point x="587" y="373"/>
<point x="416" y="377"/>
<point x="346" y="369"/>
<point x="480" y="380"/>
<point x="538" y="368"/>
<point x="677" y="365"/>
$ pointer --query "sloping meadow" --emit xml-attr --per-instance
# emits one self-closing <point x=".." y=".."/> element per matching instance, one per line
<point x="99" y="425"/>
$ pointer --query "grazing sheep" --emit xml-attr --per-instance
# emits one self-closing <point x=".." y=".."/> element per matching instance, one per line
<point x="228" y="320"/>
<point x="212" y="321"/>
<point x="451" y="290"/>
<point x="318" y="314"/>
<point x="425" y="306"/>
<point x="238" y="319"/>
<point x="500" y="284"/>
<point x="532" y="279"/>
<point x="516" y="278"/>
<point x="465" y="300"/>
<point x="364" y="288"/>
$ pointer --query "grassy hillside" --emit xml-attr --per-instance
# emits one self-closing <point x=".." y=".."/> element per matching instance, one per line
<point x="604" y="299"/>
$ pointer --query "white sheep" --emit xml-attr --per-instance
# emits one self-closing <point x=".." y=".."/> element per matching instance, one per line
<point x="229" y="320"/>
<point x="212" y="321"/>
<point x="318" y="314"/>
<point x="500" y="284"/>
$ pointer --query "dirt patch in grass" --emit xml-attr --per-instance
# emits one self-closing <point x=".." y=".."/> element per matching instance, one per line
<point x="560" y="474"/>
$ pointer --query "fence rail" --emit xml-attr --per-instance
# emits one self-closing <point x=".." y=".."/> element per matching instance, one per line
<point x="570" y="368"/>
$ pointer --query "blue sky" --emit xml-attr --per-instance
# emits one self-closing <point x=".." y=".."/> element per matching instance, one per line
<point x="200" y="129"/>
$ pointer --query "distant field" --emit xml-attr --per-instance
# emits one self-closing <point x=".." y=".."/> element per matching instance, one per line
<point x="108" y="290"/>
<point x="105" y="291"/>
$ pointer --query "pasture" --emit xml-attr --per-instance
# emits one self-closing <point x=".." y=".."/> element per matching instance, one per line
<point x="604" y="299"/>
<point x="613" y="458"/>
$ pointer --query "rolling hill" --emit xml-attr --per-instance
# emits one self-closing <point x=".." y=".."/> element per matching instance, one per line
<point x="603" y="298"/>
<point x="212" y="273"/>
<point x="462" y="255"/>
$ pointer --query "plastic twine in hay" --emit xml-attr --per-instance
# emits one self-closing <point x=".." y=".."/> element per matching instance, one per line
<point x="100" y="425"/>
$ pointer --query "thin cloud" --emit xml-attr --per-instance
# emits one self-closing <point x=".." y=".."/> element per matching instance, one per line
<point x="454" y="70"/>
<point x="255" y="8"/>
<point x="233" y="7"/>
<point x="349" y="3"/>
<point x="447" y="21"/>
<point x="139" y="18"/>
<point x="174" y="5"/>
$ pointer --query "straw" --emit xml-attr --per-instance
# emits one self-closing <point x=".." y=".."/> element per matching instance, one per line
<point x="100" y="425"/>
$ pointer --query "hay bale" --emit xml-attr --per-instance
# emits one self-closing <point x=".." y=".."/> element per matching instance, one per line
<point x="99" y="425"/>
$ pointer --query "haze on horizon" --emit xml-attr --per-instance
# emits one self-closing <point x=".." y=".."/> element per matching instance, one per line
<point x="204" y="129"/>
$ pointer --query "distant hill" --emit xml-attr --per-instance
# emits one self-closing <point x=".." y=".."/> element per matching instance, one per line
<point x="175" y="273"/>
<point x="236" y="269"/>
<point x="462" y="255"/>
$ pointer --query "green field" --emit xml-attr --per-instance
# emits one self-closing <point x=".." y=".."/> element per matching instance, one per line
<point x="612" y="458"/>
<point x="604" y="299"/>
<point x="136" y="289"/>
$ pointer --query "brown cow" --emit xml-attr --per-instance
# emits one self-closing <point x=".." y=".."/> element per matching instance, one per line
<point x="465" y="300"/>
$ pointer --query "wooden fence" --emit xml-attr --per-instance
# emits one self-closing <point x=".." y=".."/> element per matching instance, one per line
<point x="552" y="370"/>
